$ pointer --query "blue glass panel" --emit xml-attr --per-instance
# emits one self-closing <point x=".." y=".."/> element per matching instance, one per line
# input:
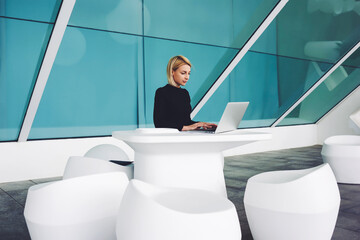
<point x="256" y="79"/>
<point x="208" y="62"/>
<point x="92" y="89"/>
<point x="38" y="10"/>
<point x="329" y="93"/>
<point x="223" y="23"/>
<point x="112" y="15"/>
<point x="19" y="64"/>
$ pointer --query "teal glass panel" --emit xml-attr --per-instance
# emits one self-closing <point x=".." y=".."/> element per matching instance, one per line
<point x="256" y="79"/>
<point x="92" y="88"/>
<point x="19" y="64"/>
<point x="327" y="95"/>
<point x="353" y="60"/>
<point x="316" y="30"/>
<point x="208" y="62"/>
<point x="37" y="10"/>
<point x="112" y="15"/>
<point x="225" y="23"/>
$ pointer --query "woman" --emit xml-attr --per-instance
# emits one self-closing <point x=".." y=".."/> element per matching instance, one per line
<point x="172" y="103"/>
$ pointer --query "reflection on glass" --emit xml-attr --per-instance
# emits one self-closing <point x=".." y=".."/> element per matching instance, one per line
<point x="225" y="23"/>
<point x="37" y="10"/>
<point x="19" y="64"/>
<point x="329" y="93"/>
<point x="112" y="15"/>
<point x="317" y="30"/>
<point x="256" y="79"/>
<point x="208" y="62"/>
<point x="95" y="92"/>
<point x="334" y="7"/>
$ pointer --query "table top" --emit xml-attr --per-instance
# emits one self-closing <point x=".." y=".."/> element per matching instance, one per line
<point x="167" y="135"/>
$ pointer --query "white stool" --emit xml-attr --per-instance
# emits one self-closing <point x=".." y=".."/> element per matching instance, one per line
<point x="114" y="154"/>
<point x="148" y="212"/>
<point x="107" y="152"/>
<point x="82" y="208"/>
<point x="82" y="166"/>
<point x="296" y="205"/>
<point x="342" y="152"/>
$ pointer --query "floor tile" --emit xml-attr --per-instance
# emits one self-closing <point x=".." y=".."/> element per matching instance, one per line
<point x="348" y="221"/>
<point x="13" y="186"/>
<point x="344" y="234"/>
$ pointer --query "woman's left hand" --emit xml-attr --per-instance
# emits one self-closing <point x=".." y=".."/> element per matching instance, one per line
<point x="206" y="125"/>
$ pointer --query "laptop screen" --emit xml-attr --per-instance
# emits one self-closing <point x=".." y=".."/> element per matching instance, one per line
<point x="232" y="116"/>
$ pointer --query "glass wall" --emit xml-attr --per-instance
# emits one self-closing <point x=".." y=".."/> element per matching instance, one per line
<point x="114" y="53"/>
<point x="25" y="29"/>
<point x="121" y="16"/>
<point x="303" y="42"/>
<point x="113" y="57"/>
<point x="336" y="87"/>
<point x="92" y="88"/>
<point x="34" y="10"/>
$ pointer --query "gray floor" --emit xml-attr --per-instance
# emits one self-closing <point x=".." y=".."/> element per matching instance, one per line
<point x="237" y="170"/>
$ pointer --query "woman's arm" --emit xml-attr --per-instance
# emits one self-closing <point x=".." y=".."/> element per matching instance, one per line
<point x="190" y="124"/>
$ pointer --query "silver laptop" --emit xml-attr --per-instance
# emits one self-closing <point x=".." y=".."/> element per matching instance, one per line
<point x="230" y="119"/>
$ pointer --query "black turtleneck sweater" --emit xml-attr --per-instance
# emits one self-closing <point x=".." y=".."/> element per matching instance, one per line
<point x="172" y="108"/>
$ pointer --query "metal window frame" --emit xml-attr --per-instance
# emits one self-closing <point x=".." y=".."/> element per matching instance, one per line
<point x="56" y="37"/>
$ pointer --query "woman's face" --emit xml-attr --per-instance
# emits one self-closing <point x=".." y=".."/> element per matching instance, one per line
<point x="182" y="75"/>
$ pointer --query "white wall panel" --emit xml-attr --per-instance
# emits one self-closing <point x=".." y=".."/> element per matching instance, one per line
<point x="42" y="159"/>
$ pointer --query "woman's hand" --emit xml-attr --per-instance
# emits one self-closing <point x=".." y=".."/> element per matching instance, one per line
<point x="197" y="125"/>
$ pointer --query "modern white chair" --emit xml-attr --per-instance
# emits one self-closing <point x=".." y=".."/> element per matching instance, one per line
<point x="342" y="152"/>
<point x="296" y="204"/>
<point x="106" y="152"/>
<point x="82" y="208"/>
<point x="81" y="166"/>
<point x="149" y="212"/>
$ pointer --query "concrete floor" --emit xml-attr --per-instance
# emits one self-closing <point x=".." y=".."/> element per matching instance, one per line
<point x="237" y="171"/>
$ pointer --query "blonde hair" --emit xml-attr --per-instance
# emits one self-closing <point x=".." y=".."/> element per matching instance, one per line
<point x="173" y="64"/>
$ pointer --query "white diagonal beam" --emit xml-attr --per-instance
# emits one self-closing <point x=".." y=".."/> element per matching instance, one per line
<point x="323" y="78"/>
<point x="271" y="16"/>
<point x="45" y="69"/>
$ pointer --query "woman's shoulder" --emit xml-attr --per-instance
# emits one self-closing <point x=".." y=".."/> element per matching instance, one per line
<point x="161" y="89"/>
<point x="168" y="89"/>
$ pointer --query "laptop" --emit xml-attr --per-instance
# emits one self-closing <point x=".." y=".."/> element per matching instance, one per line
<point x="230" y="119"/>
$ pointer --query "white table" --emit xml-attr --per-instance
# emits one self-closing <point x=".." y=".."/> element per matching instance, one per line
<point x="167" y="157"/>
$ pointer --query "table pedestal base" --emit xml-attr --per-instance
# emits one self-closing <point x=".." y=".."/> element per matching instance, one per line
<point x="188" y="170"/>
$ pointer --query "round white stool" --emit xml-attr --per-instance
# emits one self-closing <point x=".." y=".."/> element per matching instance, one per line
<point x="296" y="205"/>
<point x="342" y="152"/>
<point x="81" y="208"/>
<point x="81" y="166"/>
<point x="148" y="212"/>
